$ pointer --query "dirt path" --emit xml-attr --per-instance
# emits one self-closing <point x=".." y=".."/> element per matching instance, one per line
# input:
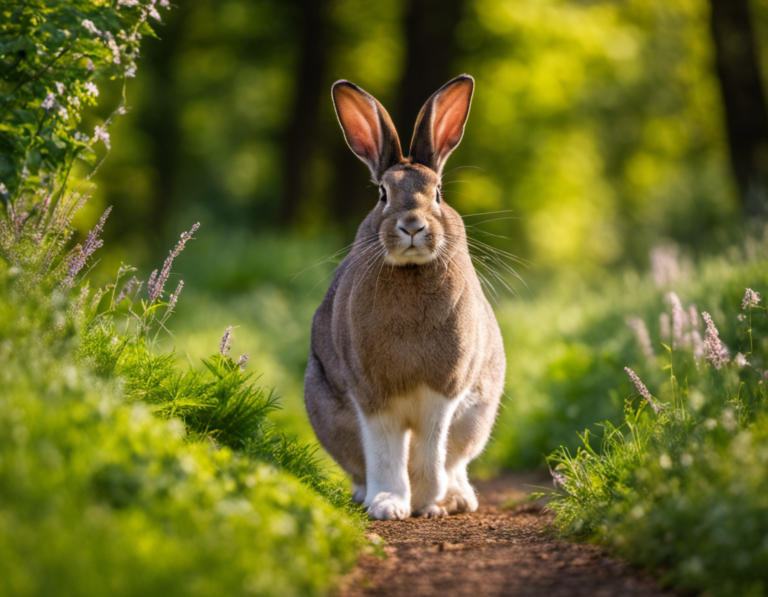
<point x="494" y="551"/>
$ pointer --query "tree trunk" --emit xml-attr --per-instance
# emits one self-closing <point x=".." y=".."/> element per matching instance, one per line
<point x="301" y="137"/>
<point x="431" y="52"/>
<point x="744" y="100"/>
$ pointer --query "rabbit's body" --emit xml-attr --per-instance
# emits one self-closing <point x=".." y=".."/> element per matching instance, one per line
<point x="406" y="366"/>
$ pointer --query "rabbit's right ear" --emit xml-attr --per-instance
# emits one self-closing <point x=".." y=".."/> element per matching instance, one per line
<point x="367" y="128"/>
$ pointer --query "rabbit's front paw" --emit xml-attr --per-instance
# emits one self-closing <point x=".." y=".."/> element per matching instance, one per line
<point x="457" y="501"/>
<point x="433" y="511"/>
<point x="386" y="506"/>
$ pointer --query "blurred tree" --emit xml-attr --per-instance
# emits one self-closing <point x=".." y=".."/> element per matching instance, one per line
<point x="746" y="116"/>
<point x="431" y="53"/>
<point x="301" y="139"/>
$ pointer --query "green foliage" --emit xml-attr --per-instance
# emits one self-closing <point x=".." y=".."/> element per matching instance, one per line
<point x="684" y="490"/>
<point x="98" y="496"/>
<point x="51" y="52"/>
<point x="568" y="348"/>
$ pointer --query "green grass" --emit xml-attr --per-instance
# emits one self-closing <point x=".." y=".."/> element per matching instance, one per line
<point x="684" y="491"/>
<point x="124" y="472"/>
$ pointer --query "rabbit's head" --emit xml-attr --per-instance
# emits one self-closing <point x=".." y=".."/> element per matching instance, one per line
<point x="411" y="219"/>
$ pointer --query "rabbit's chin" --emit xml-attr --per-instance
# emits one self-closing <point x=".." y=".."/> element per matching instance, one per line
<point x="410" y="256"/>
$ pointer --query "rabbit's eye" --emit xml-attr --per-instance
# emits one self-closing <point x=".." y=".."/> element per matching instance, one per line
<point x="437" y="194"/>
<point x="382" y="194"/>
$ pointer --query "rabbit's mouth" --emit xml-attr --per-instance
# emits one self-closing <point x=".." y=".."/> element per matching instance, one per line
<point x="410" y="255"/>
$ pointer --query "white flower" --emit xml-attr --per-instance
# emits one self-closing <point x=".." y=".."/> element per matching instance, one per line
<point x="740" y="360"/>
<point x="48" y="101"/>
<point x="128" y="3"/>
<point x="73" y="100"/>
<point x="63" y="113"/>
<point x="130" y="72"/>
<point x="100" y="133"/>
<point x="82" y="137"/>
<point x="92" y="89"/>
<point x="751" y="298"/>
<point x="3" y="189"/>
<point x="89" y="65"/>
<point x="90" y="27"/>
<point x="60" y="87"/>
<point x="112" y="45"/>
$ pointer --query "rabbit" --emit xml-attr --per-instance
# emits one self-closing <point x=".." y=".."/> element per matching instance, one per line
<point x="406" y="366"/>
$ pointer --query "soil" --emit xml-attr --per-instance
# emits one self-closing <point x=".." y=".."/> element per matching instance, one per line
<point x="505" y="548"/>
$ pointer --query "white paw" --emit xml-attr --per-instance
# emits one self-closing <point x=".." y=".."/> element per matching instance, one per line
<point x="457" y="501"/>
<point x="433" y="511"/>
<point x="358" y="494"/>
<point x="387" y="506"/>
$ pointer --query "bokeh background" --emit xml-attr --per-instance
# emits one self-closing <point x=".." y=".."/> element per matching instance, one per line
<point x="605" y="126"/>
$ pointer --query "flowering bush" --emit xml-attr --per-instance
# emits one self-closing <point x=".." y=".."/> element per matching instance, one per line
<point x="684" y="488"/>
<point x="53" y="53"/>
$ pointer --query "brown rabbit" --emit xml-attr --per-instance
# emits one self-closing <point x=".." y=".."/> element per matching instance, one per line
<point x="406" y="366"/>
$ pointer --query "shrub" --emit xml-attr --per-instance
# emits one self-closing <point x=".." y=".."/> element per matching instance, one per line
<point x="684" y="489"/>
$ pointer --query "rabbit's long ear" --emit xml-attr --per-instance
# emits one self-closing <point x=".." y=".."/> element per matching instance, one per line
<point x="367" y="127"/>
<point x="440" y="124"/>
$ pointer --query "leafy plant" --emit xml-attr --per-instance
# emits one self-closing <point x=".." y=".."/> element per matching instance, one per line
<point x="683" y="489"/>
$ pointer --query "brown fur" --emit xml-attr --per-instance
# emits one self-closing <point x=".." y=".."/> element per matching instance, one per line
<point x="384" y="329"/>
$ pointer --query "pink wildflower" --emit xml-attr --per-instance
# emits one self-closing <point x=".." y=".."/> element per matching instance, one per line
<point x="714" y="350"/>
<point x="657" y="408"/>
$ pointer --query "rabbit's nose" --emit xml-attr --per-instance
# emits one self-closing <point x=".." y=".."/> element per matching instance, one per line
<point x="412" y="226"/>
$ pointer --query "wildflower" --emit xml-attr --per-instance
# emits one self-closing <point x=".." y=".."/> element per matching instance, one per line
<point x="175" y="296"/>
<point x="81" y="137"/>
<point x="130" y="72"/>
<point x="73" y="100"/>
<point x="225" y="345"/>
<point x="60" y="88"/>
<point x="89" y="66"/>
<point x="698" y="345"/>
<point x="657" y="408"/>
<point x="559" y="480"/>
<point x="714" y="350"/>
<point x="90" y="27"/>
<point x="242" y="360"/>
<point x="740" y="360"/>
<point x="3" y="189"/>
<point x="63" y="113"/>
<point x="126" y="289"/>
<point x="100" y="133"/>
<point x="665" y="266"/>
<point x="741" y="317"/>
<point x="48" y="101"/>
<point x="112" y="45"/>
<point x="128" y="3"/>
<point x="751" y="298"/>
<point x="693" y="316"/>
<point x="679" y="320"/>
<point x="91" y="88"/>
<point x="164" y="3"/>
<point x="82" y="253"/>
<point x="641" y="333"/>
<point x="157" y="281"/>
<point x="154" y="14"/>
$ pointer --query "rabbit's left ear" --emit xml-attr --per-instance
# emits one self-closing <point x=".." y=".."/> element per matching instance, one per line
<point x="440" y="124"/>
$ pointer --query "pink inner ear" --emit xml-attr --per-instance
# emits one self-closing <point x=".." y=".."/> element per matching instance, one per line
<point x="360" y="122"/>
<point x="451" y="110"/>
